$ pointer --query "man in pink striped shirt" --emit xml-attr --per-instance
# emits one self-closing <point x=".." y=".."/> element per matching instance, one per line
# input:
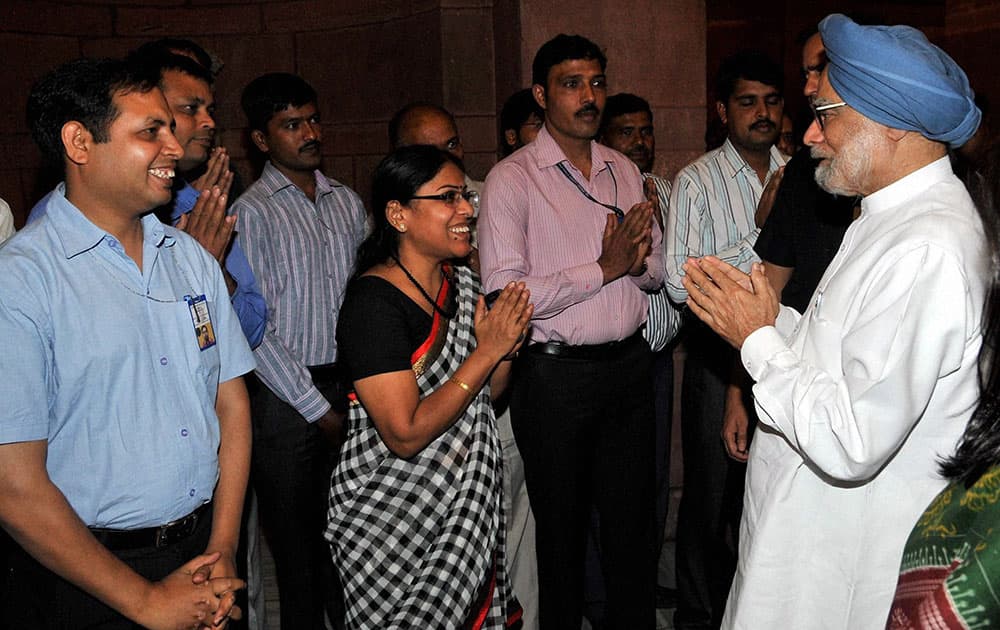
<point x="567" y="216"/>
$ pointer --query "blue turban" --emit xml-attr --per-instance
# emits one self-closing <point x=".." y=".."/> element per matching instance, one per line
<point x="894" y="76"/>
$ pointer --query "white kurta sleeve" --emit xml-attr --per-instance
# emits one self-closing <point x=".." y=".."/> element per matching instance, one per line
<point x="913" y="325"/>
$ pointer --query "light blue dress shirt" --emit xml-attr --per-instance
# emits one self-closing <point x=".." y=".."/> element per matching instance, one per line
<point x="103" y="362"/>
<point x="247" y="299"/>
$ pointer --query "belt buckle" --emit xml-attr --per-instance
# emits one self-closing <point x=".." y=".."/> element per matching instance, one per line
<point x="169" y="533"/>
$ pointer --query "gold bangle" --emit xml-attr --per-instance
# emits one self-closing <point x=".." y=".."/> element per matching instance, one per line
<point x="462" y="384"/>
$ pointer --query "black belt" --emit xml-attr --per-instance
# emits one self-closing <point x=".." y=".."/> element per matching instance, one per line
<point x="326" y="374"/>
<point x="595" y="352"/>
<point x="158" y="537"/>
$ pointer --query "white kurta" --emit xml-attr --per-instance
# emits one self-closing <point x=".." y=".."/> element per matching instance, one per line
<point x="858" y="399"/>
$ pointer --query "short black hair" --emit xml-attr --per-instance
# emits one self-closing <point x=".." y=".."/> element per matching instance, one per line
<point x="621" y="104"/>
<point x="749" y="65"/>
<point x="271" y="93"/>
<point x="518" y="108"/>
<point x="560" y="48"/>
<point x="178" y="46"/>
<point x="397" y="123"/>
<point x="82" y="90"/>
<point x="157" y="62"/>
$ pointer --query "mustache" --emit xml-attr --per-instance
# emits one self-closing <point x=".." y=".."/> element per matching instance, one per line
<point x="589" y="108"/>
<point x="312" y="144"/>
<point x="763" y="125"/>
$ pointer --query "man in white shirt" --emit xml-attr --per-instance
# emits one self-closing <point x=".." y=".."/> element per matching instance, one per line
<point x="861" y="396"/>
<point x="712" y="207"/>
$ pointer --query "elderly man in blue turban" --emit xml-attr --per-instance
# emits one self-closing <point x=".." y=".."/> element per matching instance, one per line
<point x="863" y="393"/>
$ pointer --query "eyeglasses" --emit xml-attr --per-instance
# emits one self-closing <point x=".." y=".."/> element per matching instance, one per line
<point x="452" y="196"/>
<point x="819" y="112"/>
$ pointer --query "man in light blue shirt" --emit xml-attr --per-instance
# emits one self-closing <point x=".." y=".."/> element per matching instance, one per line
<point x="124" y="446"/>
<point x="187" y="86"/>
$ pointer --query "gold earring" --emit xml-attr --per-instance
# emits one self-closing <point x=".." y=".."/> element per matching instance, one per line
<point x="401" y="227"/>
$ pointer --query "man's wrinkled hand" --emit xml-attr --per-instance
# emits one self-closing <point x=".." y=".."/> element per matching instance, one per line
<point x="732" y="303"/>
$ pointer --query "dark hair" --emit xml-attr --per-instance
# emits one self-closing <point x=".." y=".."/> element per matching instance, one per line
<point x="271" y="93"/>
<point x="396" y="178"/>
<point x="621" y="104"/>
<point x="515" y="112"/>
<point x="156" y="62"/>
<point x="400" y="120"/>
<point x="82" y="90"/>
<point x="561" y="48"/>
<point x="750" y="65"/>
<point x="178" y="46"/>
<point x="979" y="448"/>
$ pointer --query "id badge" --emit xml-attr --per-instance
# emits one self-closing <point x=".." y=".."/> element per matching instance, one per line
<point x="202" y="321"/>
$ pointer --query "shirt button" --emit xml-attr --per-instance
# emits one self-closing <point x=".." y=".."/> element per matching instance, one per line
<point x="184" y="432"/>
<point x="191" y="492"/>
<point x="163" y="360"/>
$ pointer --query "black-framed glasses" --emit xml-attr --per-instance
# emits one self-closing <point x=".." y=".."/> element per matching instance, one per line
<point x="452" y="196"/>
<point x="819" y="112"/>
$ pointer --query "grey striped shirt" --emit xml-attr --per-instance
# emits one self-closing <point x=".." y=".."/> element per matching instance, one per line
<point x="712" y="209"/>
<point x="302" y="254"/>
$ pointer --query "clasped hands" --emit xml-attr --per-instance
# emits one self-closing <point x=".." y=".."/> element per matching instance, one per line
<point x="734" y="304"/>
<point x="503" y="329"/>
<point x="625" y="245"/>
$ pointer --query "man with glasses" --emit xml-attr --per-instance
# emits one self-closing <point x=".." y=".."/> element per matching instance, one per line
<point x="861" y="396"/>
<point x="300" y="231"/>
<point x="521" y="118"/>
<point x="712" y="209"/>
<point x="426" y="123"/>
<point x="567" y="216"/>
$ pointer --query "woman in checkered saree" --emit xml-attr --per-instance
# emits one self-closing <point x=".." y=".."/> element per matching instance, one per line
<point x="415" y="520"/>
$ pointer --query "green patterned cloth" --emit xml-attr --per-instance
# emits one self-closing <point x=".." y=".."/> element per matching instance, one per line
<point x="950" y="574"/>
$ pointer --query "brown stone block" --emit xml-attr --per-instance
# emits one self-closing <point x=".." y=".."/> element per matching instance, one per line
<point x="236" y="142"/>
<point x="346" y="138"/>
<point x="161" y="22"/>
<point x="54" y="18"/>
<point x="478" y="132"/>
<point x="322" y="15"/>
<point x="364" y="168"/>
<point x="19" y="150"/>
<point x="467" y="59"/>
<point x="679" y="128"/>
<point x="114" y="47"/>
<point x="374" y="70"/>
<point x="480" y="163"/>
<point x="26" y="59"/>
<point x="244" y="59"/>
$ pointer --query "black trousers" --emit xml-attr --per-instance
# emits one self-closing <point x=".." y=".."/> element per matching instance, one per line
<point x="709" y="515"/>
<point x="290" y="472"/>
<point x="585" y="431"/>
<point x="36" y="598"/>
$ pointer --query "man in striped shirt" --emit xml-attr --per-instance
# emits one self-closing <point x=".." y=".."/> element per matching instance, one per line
<point x="712" y="208"/>
<point x="300" y="231"/>
<point x="567" y="216"/>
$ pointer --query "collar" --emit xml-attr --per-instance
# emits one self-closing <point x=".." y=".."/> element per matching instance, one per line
<point x="548" y="153"/>
<point x="734" y="163"/>
<point x="274" y="181"/>
<point x="908" y="187"/>
<point x="77" y="234"/>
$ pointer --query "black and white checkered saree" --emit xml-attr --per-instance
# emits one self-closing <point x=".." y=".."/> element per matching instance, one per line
<point x="419" y="543"/>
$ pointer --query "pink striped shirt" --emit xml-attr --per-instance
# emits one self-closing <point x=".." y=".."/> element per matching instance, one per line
<point x="536" y="226"/>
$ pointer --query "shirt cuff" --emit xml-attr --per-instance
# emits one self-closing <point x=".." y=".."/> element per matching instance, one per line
<point x="759" y="348"/>
<point x="312" y="406"/>
<point x="586" y="279"/>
